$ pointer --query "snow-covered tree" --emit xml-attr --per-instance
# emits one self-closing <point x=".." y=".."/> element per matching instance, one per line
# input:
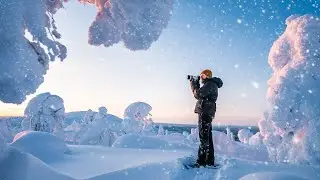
<point x="161" y="130"/>
<point x="256" y="139"/>
<point x="88" y="117"/>
<point x="244" y="135"/>
<point x="4" y="131"/>
<point x="28" y="38"/>
<point x="104" y="129"/>
<point x="45" y="112"/>
<point x="136" y="116"/>
<point x="194" y="136"/>
<point x="230" y="134"/>
<point x="293" y="118"/>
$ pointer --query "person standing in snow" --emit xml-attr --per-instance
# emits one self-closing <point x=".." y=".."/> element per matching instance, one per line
<point x="205" y="108"/>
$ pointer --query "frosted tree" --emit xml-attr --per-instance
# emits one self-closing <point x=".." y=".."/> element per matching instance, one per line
<point x="194" y="136"/>
<point x="291" y="125"/>
<point x="161" y="130"/>
<point x="29" y="36"/>
<point x="230" y="134"/>
<point x="104" y="129"/>
<point x="88" y="117"/>
<point x="4" y="131"/>
<point x="244" y="135"/>
<point x="45" y="112"/>
<point x="136" y="116"/>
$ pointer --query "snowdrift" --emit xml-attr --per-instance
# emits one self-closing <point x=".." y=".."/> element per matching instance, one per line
<point x="271" y="175"/>
<point x="42" y="145"/>
<point x="17" y="165"/>
<point x="145" y="142"/>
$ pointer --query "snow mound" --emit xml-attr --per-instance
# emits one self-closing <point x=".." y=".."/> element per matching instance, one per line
<point x="271" y="175"/>
<point x="19" y="165"/>
<point x="244" y="135"/>
<point x="145" y="142"/>
<point x="42" y="145"/>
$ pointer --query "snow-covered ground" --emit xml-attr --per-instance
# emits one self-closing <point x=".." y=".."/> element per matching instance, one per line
<point x="40" y="155"/>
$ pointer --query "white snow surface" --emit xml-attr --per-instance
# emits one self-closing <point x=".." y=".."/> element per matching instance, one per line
<point x="271" y="175"/>
<point x="293" y="117"/>
<point x="42" y="145"/>
<point x="146" y="142"/>
<point x="17" y="165"/>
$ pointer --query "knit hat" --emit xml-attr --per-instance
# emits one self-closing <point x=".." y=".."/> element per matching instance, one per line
<point x="207" y="72"/>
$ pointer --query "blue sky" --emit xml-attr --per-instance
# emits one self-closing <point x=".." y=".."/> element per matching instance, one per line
<point x="232" y="38"/>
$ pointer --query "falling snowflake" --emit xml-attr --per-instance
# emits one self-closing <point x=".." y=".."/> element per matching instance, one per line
<point x="239" y="21"/>
<point x="188" y="26"/>
<point x="310" y="91"/>
<point x="236" y="66"/>
<point x="255" y="84"/>
<point x="243" y="95"/>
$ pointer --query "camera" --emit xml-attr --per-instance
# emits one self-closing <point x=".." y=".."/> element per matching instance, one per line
<point x="193" y="78"/>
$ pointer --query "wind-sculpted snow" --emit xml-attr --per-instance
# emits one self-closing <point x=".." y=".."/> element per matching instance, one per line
<point x="23" y="62"/>
<point x="293" y="117"/>
<point x="42" y="145"/>
<point x="137" y="23"/>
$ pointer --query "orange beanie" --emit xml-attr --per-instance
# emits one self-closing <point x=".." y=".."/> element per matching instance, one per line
<point x="207" y="72"/>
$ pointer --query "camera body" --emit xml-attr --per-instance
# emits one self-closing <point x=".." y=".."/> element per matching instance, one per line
<point x="193" y="78"/>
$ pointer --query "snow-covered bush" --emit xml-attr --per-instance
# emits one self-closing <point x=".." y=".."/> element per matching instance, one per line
<point x="136" y="118"/>
<point x="256" y="139"/>
<point x="104" y="129"/>
<point x="293" y="94"/>
<point x="230" y="134"/>
<point x="42" y="145"/>
<point x="185" y="133"/>
<point x="194" y="136"/>
<point x="244" y="135"/>
<point x="45" y="112"/>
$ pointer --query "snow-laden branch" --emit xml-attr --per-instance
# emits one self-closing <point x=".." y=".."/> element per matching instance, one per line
<point x="23" y="62"/>
<point x="137" y="23"/>
<point x="28" y="36"/>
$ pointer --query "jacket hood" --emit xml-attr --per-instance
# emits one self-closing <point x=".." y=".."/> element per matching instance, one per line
<point x="216" y="80"/>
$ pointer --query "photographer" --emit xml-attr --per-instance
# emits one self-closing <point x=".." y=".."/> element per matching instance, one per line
<point x="206" y="109"/>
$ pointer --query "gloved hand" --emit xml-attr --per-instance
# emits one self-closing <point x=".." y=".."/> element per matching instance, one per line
<point x="195" y="84"/>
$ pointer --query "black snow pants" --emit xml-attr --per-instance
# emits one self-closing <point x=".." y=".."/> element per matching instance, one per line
<point x="206" y="150"/>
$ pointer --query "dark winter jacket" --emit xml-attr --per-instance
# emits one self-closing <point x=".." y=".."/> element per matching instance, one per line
<point x="206" y="95"/>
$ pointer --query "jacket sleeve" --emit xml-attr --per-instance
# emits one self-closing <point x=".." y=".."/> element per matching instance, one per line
<point x="194" y="85"/>
<point x="208" y="89"/>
